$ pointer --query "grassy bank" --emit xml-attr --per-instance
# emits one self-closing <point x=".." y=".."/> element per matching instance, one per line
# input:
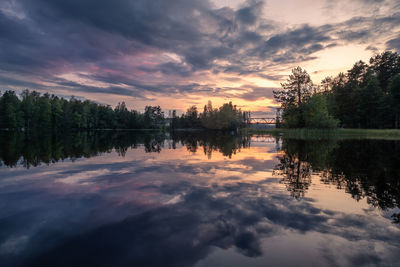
<point x="340" y="133"/>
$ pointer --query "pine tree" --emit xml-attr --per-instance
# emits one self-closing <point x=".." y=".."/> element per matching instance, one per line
<point x="394" y="89"/>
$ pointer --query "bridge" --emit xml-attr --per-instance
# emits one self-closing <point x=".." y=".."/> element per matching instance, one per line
<point x="263" y="120"/>
<point x="249" y="119"/>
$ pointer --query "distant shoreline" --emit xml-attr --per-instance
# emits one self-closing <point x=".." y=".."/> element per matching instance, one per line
<point x="299" y="133"/>
<point x="338" y="133"/>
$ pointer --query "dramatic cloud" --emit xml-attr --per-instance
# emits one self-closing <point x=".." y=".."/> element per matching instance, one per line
<point x="167" y="50"/>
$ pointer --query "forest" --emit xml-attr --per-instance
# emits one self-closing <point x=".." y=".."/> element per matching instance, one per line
<point x="367" y="96"/>
<point x="32" y="111"/>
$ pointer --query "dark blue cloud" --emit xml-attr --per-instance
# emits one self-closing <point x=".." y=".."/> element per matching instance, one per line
<point x="394" y="43"/>
<point x="250" y="14"/>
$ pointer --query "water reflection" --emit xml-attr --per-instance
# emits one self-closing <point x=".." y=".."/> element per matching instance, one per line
<point x="197" y="199"/>
<point x="364" y="168"/>
<point x="33" y="149"/>
<point x="300" y="159"/>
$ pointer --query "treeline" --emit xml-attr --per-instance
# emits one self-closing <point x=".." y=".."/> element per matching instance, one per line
<point x="367" y="96"/>
<point x="33" y="111"/>
<point x="227" y="117"/>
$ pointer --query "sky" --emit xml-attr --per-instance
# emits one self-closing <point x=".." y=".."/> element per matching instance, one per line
<point x="178" y="53"/>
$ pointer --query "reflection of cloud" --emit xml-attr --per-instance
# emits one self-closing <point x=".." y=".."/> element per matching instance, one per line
<point x="13" y="245"/>
<point x="176" y="209"/>
<point x="82" y="177"/>
<point x="202" y="221"/>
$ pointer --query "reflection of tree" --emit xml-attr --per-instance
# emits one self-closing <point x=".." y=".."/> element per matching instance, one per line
<point x="352" y="187"/>
<point x="396" y="217"/>
<point x="10" y="148"/>
<point x="369" y="169"/>
<point x="34" y="149"/>
<point x="228" y="145"/>
<point x="298" y="161"/>
<point x="153" y="143"/>
<point x="297" y="175"/>
<point x="364" y="168"/>
<point x="224" y="143"/>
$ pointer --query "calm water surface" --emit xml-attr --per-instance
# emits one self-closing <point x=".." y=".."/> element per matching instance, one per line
<point x="197" y="199"/>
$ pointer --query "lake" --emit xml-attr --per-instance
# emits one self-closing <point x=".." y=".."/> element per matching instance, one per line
<point x="197" y="199"/>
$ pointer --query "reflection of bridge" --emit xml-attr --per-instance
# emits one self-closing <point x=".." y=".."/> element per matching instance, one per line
<point x="263" y="139"/>
<point x="262" y="120"/>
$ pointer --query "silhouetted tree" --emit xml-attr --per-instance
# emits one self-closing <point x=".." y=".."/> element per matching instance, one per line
<point x="153" y="117"/>
<point x="10" y="113"/>
<point x="296" y="90"/>
<point x="370" y="100"/>
<point x="316" y="113"/>
<point x="385" y="65"/>
<point x="367" y="96"/>
<point x="394" y="89"/>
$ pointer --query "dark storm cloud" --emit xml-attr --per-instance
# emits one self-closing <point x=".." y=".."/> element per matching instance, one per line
<point x="256" y="92"/>
<point x="166" y="25"/>
<point x="394" y="43"/>
<point x="170" y="68"/>
<point x="362" y="29"/>
<point x="354" y="35"/>
<point x="372" y="1"/>
<point x="11" y="29"/>
<point x="16" y="38"/>
<point x="250" y="14"/>
<point x="277" y="77"/>
<point x="147" y="21"/>
<point x="74" y="87"/>
<point x="41" y="47"/>
<point x="305" y="35"/>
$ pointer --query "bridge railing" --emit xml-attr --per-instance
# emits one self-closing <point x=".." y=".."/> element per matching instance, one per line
<point x="263" y="120"/>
